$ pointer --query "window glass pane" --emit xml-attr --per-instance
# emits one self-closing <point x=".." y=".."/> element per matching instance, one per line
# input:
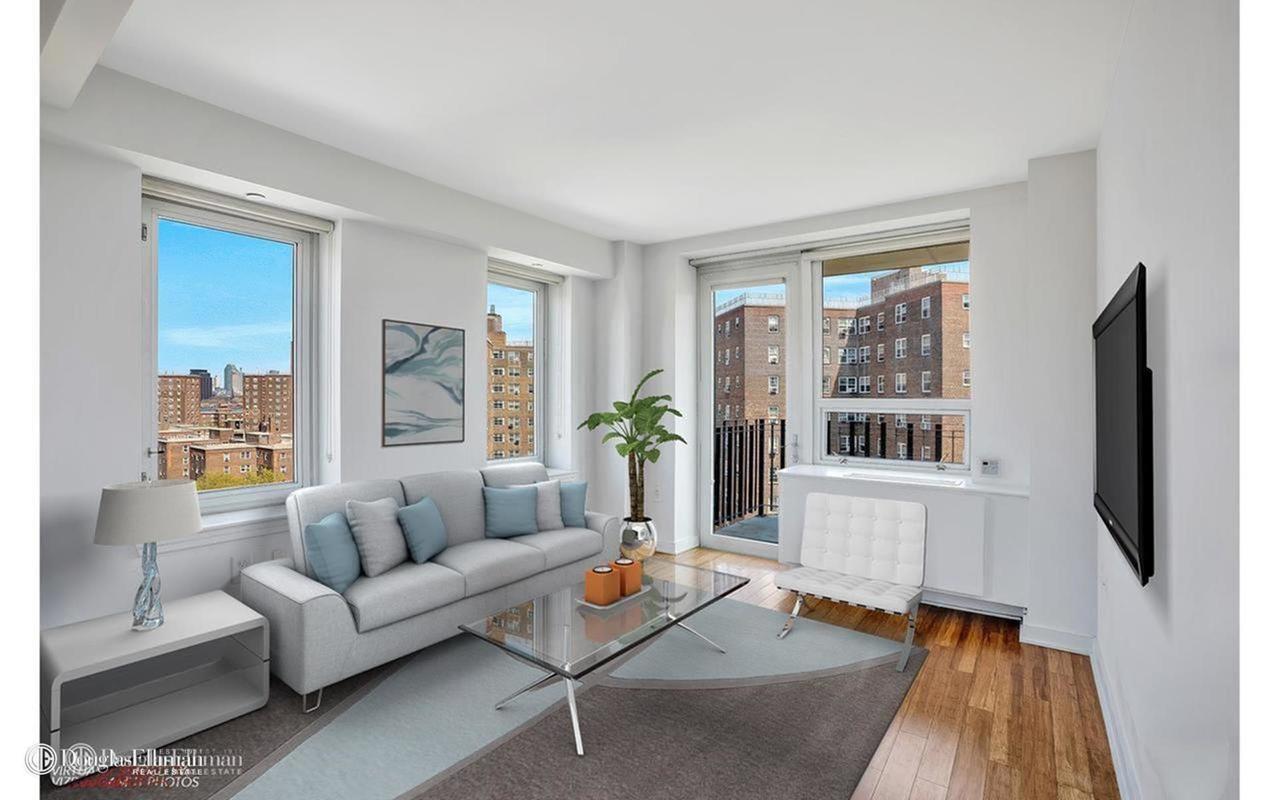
<point x="919" y="300"/>
<point x="511" y="336"/>
<point x="909" y="436"/>
<point x="225" y="402"/>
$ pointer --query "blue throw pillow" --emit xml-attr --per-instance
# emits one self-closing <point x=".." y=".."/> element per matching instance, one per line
<point x="331" y="552"/>
<point x="573" y="504"/>
<point x="423" y="529"/>
<point x="510" y="512"/>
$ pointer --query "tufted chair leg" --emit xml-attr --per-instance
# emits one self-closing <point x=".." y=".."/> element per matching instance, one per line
<point x="791" y="620"/>
<point x="911" y="635"/>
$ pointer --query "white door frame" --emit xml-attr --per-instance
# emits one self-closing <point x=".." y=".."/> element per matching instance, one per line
<point x="712" y="278"/>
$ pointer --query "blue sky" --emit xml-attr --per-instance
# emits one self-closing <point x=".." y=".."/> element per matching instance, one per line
<point x="837" y="286"/>
<point x="516" y="308"/>
<point x="223" y="298"/>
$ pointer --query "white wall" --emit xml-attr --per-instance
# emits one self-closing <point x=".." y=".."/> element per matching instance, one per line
<point x="390" y="274"/>
<point x="1168" y="190"/>
<point x="91" y="383"/>
<point x="1061" y="253"/>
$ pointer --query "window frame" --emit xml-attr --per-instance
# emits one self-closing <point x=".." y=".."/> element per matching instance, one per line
<point x="309" y="346"/>
<point x="541" y="293"/>
<point x="884" y="400"/>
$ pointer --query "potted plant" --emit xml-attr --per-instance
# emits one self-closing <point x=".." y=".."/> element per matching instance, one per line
<point x="637" y="427"/>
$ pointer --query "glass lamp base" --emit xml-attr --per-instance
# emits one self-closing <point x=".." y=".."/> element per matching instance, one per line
<point x="148" y="613"/>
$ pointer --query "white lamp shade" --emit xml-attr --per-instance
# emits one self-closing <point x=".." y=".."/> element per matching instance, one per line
<point x="147" y="511"/>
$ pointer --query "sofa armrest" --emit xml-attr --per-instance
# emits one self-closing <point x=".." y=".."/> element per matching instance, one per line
<point x="312" y="630"/>
<point x="610" y="528"/>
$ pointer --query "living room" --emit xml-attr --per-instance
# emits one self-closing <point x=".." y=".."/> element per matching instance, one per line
<point x="511" y="400"/>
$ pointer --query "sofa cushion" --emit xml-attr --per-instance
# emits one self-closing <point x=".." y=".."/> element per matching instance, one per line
<point x="573" y="504"/>
<point x="501" y="476"/>
<point x="402" y="592"/>
<point x="490" y="563"/>
<point x="332" y="552"/>
<point x="549" y="505"/>
<point x="458" y="493"/>
<point x="565" y="545"/>
<point x="423" y="529"/>
<point x="378" y="534"/>
<point x="314" y="503"/>
<point x="510" y="512"/>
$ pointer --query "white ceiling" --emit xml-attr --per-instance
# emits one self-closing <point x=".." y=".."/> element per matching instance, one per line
<point x="659" y="119"/>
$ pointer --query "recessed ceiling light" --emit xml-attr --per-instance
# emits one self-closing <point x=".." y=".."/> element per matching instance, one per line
<point x="255" y="195"/>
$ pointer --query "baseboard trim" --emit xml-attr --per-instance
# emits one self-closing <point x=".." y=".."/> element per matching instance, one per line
<point x="975" y="605"/>
<point x="1117" y="739"/>
<point x="1056" y="639"/>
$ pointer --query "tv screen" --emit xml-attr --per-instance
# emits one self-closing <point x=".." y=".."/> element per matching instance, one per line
<point x="1122" y="382"/>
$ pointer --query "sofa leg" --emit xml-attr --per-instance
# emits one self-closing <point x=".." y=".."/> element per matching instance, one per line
<point x="791" y="620"/>
<point x="319" y="699"/>
<point x="906" y="643"/>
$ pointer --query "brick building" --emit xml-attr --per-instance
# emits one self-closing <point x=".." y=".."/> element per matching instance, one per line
<point x="511" y="408"/>
<point x="178" y="400"/>
<point x="268" y="395"/>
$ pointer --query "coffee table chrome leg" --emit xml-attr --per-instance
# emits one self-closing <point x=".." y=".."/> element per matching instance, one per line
<point x="695" y="633"/>
<point x="537" y="684"/>
<point x="573" y="714"/>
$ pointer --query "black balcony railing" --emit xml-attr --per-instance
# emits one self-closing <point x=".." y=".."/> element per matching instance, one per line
<point x="748" y="455"/>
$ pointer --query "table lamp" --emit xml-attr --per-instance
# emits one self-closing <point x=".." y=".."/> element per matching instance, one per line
<point x="146" y="512"/>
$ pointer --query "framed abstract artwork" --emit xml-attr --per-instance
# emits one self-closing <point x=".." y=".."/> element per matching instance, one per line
<point x="423" y="369"/>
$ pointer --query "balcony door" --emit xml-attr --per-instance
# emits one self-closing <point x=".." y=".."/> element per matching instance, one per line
<point x="748" y="381"/>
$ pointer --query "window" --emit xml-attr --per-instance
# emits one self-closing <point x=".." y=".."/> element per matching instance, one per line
<point x="224" y="358"/>
<point x="844" y="443"/>
<point x="517" y="310"/>
<point x="926" y="453"/>
<point x="773" y="412"/>
<point x="843" y="326"/>
<point x="773" y="354"/>
<point x="499" y="355"/>
<point x="930" y="273"/>
<point x="848" y="355"/>
<point x="826" y="355"/>
<point x="774" y="381"/>
<point x="965" y="379"/>
<point x="864" y="325"/>
<point x="499" y="404"/>
<point x="902" y="450"/>
<point x="499" y="371"/>
<point x="826" y="326"/>
<point x="964" y="340"/>
<point x="737" y="354"/>
<point x="737" y="323"/>
<point x="728" y="384"/>
<point x="773" y="323"/>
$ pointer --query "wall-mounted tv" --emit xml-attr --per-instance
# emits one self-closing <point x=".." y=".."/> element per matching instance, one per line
<point x="1122" y="476"/>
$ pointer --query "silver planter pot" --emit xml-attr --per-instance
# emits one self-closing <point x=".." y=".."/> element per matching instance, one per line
<point x="639" y="539"/>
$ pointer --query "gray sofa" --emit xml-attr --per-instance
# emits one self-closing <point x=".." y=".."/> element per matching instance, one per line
<point x="319" y="637"/>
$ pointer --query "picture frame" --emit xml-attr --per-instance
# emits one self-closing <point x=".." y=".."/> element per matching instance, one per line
<point x="423" y="383"/>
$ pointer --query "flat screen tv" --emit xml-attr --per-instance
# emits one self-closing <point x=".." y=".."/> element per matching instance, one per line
<point x="1122" y="478"/>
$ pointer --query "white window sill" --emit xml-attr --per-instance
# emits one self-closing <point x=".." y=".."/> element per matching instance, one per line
<point x="923" y="479"/>
<point x="232" y="526"/>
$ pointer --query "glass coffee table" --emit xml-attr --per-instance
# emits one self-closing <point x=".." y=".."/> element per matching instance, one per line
<point x="562" y="635"/>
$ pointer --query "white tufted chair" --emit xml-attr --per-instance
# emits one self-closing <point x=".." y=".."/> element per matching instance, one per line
<point x="860" y="551"/>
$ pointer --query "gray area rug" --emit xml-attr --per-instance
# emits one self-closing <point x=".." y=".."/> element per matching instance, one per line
<point x="425" y="725"/>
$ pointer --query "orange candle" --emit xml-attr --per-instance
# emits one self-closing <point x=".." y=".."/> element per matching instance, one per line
<point x="603" y="585"/>
<point x="631" y="573"/>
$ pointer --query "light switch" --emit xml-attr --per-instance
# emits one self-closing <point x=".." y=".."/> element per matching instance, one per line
<point x="990" y="466"/>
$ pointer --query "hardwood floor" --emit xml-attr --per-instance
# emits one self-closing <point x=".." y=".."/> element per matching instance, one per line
<point x="987" y="717"/>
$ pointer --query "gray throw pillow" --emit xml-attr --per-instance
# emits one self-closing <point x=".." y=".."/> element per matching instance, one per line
<point x="549" y="506"/>
<point x="377" y="533"/>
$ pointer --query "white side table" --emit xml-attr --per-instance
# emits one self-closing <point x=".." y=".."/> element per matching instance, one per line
<point x="107" y="686"/>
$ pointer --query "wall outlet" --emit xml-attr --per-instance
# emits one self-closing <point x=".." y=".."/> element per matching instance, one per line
<point x="237" y="564"/>
<point x="990" y="466"/>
